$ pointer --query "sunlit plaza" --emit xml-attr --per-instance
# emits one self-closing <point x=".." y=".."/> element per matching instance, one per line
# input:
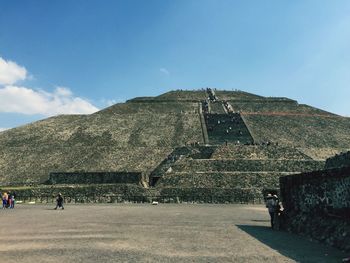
<point x="151" y="233"/>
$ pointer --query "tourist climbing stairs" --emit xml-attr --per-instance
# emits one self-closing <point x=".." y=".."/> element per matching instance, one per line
<point x="223" y="124"/>
<point x="217" y="107"/>
<point x="227" y="128"/>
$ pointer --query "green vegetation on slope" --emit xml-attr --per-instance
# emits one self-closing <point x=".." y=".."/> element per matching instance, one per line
<point x="110" y="140"/>
<point x="140" y="134"/>
<point x="301" y="131"/>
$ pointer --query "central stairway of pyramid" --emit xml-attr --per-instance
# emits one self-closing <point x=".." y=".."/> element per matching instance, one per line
<point x="223" y="124"/>
<point x="227" y="128"/>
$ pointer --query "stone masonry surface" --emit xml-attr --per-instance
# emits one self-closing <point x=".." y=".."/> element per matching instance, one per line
<point x="317" y="204"/>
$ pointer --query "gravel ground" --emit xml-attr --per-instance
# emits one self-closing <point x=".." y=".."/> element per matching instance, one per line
<point x="146" y="233"/>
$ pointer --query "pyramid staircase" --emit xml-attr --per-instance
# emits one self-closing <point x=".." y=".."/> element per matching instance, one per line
<point x="222" y="123"/>
<point x="178" y="154"/>
<point x="234" y="170"/>
<point x="226" y="128"/>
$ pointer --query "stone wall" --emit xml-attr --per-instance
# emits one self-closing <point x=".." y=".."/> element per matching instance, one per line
<point x="115" y="193"/>
<point x="103" y="193"/>
<point x="339" y="160"/>
<point x="214" y="195"/>
<point x="95" y="178"/>
<point x="221" y="180"/>
<point x="259" y="152"/>
<point x="245" y="165"/>
<point x="317" y="204"/>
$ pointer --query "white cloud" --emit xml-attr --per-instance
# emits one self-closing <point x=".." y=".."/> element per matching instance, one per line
<point x="28" y="101"/>
<point x="164" y="71"/>
<point x="109" y="102"/>
<point x="18" y="99"/>
<point x="10" y="72"/>
<point x="3" y="129"/>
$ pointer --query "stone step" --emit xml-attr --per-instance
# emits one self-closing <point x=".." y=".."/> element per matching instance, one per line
<point x="258" y="152"/>
<point x="222" y="179"/>
<point x="223" y="128"/>
<point x="247" y="165"/>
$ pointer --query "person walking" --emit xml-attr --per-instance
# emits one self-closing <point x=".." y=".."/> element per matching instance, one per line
<point x="277" y="212"/>
<point x="271" y="205"/>
<point x="59" y="201"/>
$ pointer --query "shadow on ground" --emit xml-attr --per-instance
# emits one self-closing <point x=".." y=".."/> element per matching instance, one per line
<point x="292" y="246"/>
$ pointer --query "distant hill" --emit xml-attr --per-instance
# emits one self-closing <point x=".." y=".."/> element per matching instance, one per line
<point x="142" y="133"/>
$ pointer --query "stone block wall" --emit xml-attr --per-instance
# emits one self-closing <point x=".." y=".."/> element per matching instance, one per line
<point x="116" y="193"/>
<point x="245" y="165"/>
<point x="214" y="195"/>
<point x="221" y="180"/>
<point x="317" y="204"/>
<point x="339" y="160"/>
<point x="95" y="178"/>
<point x="91" y="193"/>
<point x="261" y="152"/>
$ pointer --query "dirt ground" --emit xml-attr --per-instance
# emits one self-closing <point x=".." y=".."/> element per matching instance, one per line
<point x="146" y="233"/>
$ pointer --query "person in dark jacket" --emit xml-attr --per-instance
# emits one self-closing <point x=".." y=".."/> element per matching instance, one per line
<point x="59" y="201"/>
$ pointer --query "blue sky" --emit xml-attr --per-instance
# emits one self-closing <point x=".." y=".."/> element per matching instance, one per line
<point x="80" y="56"/>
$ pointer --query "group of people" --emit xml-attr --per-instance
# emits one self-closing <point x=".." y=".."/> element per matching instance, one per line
<point x="211" y="95"/>
<point x="8" y="200"/>
<point x="275" y="209"/>
<point x="205" y="106"/>
<point x="228" y="107"/>
<point x="272" y="204"/>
